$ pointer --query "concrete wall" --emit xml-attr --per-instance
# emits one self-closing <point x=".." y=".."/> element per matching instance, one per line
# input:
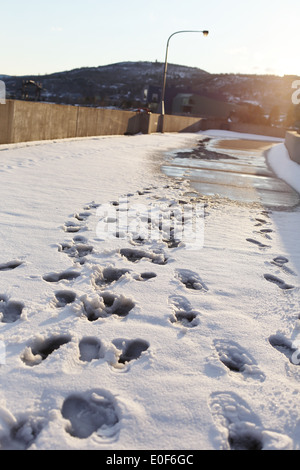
<point x="6" y="119"/>
<point x="24" y="121"/>
<point x="93" y="121"/>
<point x="257" y="129"/>
<point x="181" y="124"/>
<point x="292" y="143"/>
<point x="150" y="123"/>
<point x="40" y="121"/>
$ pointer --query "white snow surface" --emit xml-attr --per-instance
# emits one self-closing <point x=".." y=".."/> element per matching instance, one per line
<point x="284" y="167"/>
<point x="241" y="135"/>
<point x="200" y="352"/>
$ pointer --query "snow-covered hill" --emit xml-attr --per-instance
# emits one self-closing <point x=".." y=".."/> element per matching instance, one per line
<point x="122" y="85"/>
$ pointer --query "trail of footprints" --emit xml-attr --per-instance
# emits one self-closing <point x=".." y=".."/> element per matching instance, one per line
<point x="242" y="429"/>
<point x="285" y="346"/>
<point x="97" y="411"/>
<point x="93" y="411"/>
<point x="279" y="261"/>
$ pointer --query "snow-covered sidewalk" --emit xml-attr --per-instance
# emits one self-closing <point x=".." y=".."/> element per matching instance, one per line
<point x="128" y="342"/>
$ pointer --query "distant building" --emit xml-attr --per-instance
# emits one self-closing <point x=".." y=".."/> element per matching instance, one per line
<point x="197" y="105"/>
<point x="191" y="104"/>
<point x="151" y="96"/>
<point x="31" y="90"/>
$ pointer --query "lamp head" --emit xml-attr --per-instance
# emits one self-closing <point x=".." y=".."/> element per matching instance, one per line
<point x="205" y="33"/>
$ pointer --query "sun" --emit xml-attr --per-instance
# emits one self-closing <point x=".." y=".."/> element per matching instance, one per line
<point x="286" y="65"/>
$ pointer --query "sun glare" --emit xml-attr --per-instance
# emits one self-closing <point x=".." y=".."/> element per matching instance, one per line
<point x="287" y="64"/>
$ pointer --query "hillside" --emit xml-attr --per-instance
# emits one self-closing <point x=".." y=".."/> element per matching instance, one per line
<point x="122" y="85"/>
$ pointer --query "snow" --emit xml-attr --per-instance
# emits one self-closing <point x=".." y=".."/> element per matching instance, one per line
<point x="116" y="343"/>
<point x="284" y="167"/>
<point x="241" y="135"/>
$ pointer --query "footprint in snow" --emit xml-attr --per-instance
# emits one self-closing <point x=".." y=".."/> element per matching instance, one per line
<point x="64" y="297"/>
<point x="281" y="262"/>
<point x="81" y="216"/>
<point x="130" y="349"/>
<point x="10" y="310"/>
<point x="144" y="276"/>
<point x="183" y="315"/>
<point x="89" y="413"/>
<point x="172" y="242"/>
<point x="144" y="191"/>
<point x="80" y="239"/>
<point x="257" y="243"/>
<point x="265" y="232"/>
<point x="187" y="319"/>
<point x="90" y="349"/>
<point x="136" y="241"/>
<point x="286" y="347"/>
<point x="41" y="348"/>
<point x="22" y="433"/>
<point x="106" y="305"/>
<point x="73" y="227"/>
<point x="279" y="282"/>
<point x="261" y="218"/>
<point x="190" y="280"/>
<point x="135" y="255"/>
<point x="10" y="265"/>
<point x="77" y="250"/>
<point x="240" y="428"/>
<point x="237" y="359"/>
<point x="65" y="275"/>
<point x="260" y="221"/>
<point x="109" y="275"/>
<point x="90" y="206"/>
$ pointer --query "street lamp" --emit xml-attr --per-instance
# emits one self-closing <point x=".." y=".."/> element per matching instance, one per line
<point x="205" y="33"/>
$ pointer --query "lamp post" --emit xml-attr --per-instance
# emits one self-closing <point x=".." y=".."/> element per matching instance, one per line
<point x="205" y="33"/>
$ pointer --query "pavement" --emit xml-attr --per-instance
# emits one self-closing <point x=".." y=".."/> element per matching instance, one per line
<point x="233" y="168"/>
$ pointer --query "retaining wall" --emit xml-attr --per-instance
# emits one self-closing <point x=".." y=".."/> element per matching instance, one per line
<point x="181" y="124"/>
<point x="292" y="143"/>
<point x="24" y="121"/>
<point x="6" y="119"/>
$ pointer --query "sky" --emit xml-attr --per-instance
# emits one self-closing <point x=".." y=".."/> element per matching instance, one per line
<point x="253" y="37"/>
